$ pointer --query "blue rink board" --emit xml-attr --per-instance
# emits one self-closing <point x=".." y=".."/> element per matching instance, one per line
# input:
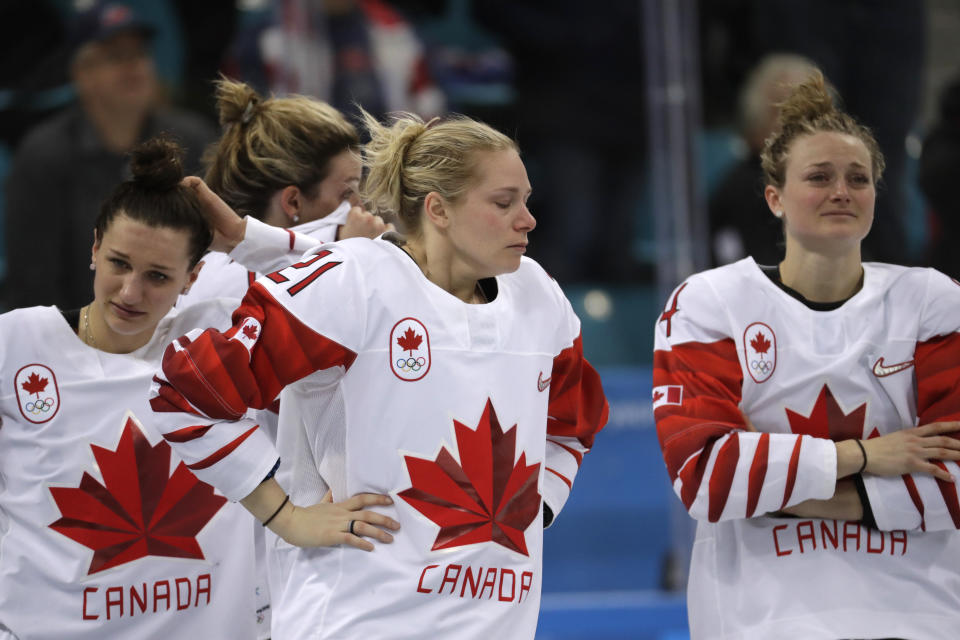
<point x="604" y="555"/>
<point x="613" y="532"/>
<point x="637" y="615"/>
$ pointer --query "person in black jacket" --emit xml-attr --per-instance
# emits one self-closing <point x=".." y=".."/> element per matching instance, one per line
<point x="938" y="177"/>
<point x="67" y="165"/>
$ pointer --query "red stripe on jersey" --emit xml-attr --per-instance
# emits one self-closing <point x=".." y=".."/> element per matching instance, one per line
<point x="223" y="451"/>
<point x="667" y="315"/>
<point x="758" y="472"/>
<point x="322" y="269"/>
<point x="293" y="238"/>
<point x="562" y="477"/>
<point x="251" y="278"/>
<point x="577" y="407"/>
<point x="792" y="472"/>
<point x="949" y="492"/>
<point x="917" y="500"/>
<point x="937" y="363"/>
<point x="576" y="454"/>
<point x="692" y="475"/>
<point x="168" y="400"/>
<point x="187" y="433"/>
<point x="712" y="379"/>
<point x="721" y="478"/>
<point x="712" y="365"/>
<point x="691" y="435"/>
<point x="198" y="366"/>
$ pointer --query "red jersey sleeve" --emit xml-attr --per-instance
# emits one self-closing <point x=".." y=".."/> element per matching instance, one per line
<point x="919" y="501"/>
<point x="577" y="410"/>
<point x="719" y="469"/>
<point x="209" y="380"/>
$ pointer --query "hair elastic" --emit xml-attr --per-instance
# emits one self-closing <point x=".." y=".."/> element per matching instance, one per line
<point x="286" y="499"/>
<point x="864" y="452"/>
<point x="247" y="113"/>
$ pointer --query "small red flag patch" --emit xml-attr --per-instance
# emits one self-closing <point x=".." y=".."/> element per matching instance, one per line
<point x="667" y="394"/>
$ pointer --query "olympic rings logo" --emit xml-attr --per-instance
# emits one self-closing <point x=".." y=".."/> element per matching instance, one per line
<point x="762" y="367"/>
<point x="411" y="364"/>
<point x="40" y="406"/>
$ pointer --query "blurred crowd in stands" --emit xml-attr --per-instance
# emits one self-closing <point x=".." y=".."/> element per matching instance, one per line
<point x="564" y="78"/>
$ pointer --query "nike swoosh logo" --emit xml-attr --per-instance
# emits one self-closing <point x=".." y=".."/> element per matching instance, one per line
<point x="541" y="383"/>
<point x="880" y="370"/>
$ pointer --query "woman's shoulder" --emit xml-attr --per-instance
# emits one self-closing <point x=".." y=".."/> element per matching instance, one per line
<point x="744" y="270"/>
<point x="531" y="277"/>
<point x="212" y="311"/>
<point x="203" y="314"/>
<point x="384" y="247"/>
<point x="724" y="283"/>
<point x="30" y="316"/>
<point x="23" y="330"/>
<point x="893" y="280"/>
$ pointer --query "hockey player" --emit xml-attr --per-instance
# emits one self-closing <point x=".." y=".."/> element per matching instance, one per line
<point x="103" y="532"/>
<point x="803" y="410"/>
<point x="446" y="371"/>
<point x="291" y="162"/>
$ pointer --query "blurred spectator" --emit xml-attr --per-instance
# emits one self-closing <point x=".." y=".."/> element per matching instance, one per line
<point x="208" y="28"/>
<point x="873" y="53"/>
<point x="344" y="52"/>
<point x="740" y="221"/>
<point x="33" y="78"/>
<point x="580" y="121"/>
<point x="67" y="165"/>
<point x="938" y="174"/>
<point x="728" y="52"/>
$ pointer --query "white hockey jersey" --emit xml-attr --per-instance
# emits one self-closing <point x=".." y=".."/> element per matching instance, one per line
<point x="887" y="359"/>
<point x="470" y="416"/>
<point x="103" y="531"/>
<point x="224" y="276"/>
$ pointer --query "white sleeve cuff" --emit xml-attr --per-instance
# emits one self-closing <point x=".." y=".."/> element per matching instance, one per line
<point x="891" y="503"/>
<point x="266" y="248"/>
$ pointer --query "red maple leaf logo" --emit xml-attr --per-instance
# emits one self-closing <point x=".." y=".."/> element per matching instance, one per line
<point x="35" y="384"/>
<point x="827" y="419"/>
<point x="657" y="395"/>
<point x="142" y="510"/>
<point x="410" y="340"/>
<point x="760" y="344"/>
<point x="485" y="498"/>
<point x="250" y="331"/>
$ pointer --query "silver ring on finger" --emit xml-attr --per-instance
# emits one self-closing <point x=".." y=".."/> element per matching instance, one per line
<point x="352" y="522"/>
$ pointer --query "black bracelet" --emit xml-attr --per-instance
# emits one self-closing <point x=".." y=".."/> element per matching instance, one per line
<point x="864" y="452"/>
<point x="286" y="499"/>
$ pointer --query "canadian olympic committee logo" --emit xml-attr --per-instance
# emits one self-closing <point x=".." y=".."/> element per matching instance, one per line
<point x="760" y="351"/>
<point x="37" y="393"/>
<point x="409" y="350"/>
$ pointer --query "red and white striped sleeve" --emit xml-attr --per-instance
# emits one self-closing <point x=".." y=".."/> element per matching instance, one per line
<point x="919" y="501"/>
<point x="577" y="409"/>
<point x="720" y="470"/>
<point x="209" y="380"/>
